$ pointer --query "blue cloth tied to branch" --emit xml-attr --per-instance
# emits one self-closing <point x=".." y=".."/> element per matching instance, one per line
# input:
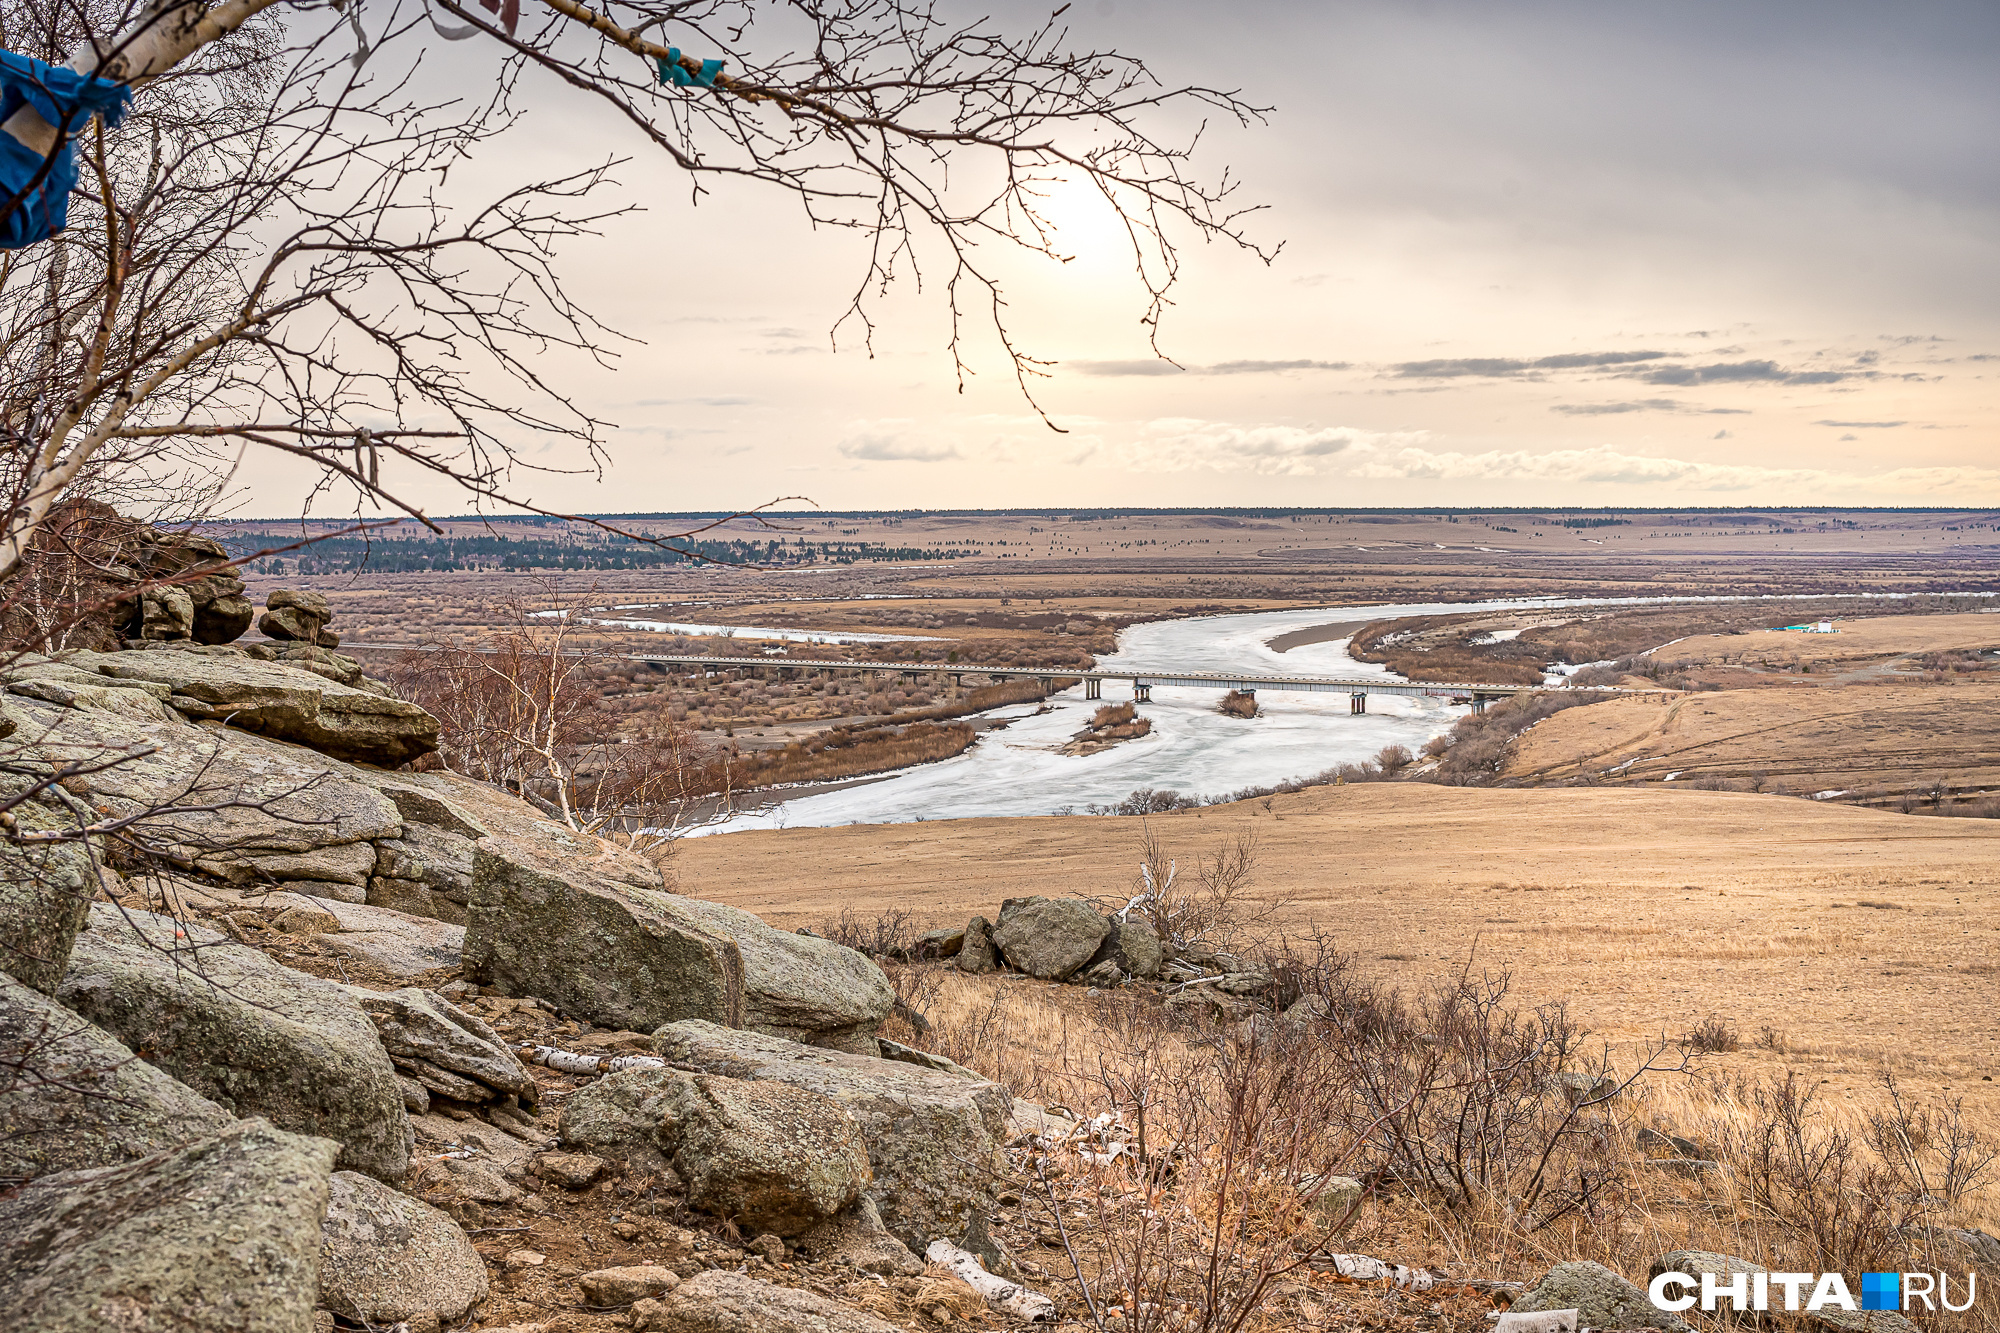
<point x="672" y="71"/>
<point x="34" y="189"/>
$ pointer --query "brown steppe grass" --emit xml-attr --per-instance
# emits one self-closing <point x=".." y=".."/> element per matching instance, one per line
<point x="1867" y="939"/>
<point x="1847" y="738"/>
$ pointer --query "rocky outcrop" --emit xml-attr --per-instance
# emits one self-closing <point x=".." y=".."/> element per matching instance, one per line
<point x="576" y="931"/>
<point x="222" y="1235"/>
<point x="934" y="1140"/>
<point x="771" y="1156"/>
<point x="386" y="1257"/>
<point x="444" y="1049"/>
<point x="269" y="803"/>
<point x="253" y="1036"/>
<point x="1049" y="938"/>
<point x="288" y="703"/>
<point x="298" y="616"/>
<point x="80" y="1099"/>
<point x="202" y="601"/>
<point x="71" y="683"/>
<point x="1601" y="1298"/>
<point x="722" y="1302"/>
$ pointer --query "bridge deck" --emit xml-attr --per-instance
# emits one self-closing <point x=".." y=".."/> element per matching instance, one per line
<point x="1197" y="679"/>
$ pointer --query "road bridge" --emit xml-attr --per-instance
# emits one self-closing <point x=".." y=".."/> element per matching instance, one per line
<point x="1143" y="682"/>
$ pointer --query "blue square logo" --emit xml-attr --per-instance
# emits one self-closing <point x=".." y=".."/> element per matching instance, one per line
<point x="1881" y="1291"/>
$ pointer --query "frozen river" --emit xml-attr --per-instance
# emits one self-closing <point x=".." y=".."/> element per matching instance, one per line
<point x="1192" y="749"/>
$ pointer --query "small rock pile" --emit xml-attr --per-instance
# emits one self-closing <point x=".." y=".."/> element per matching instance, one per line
<point x="292" y="616"/>
<point x="203" y="607"/>
<point x="1070" y="940"/>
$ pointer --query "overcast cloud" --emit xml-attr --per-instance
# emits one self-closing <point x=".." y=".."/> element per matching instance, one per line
<point x="1531" y="250"/>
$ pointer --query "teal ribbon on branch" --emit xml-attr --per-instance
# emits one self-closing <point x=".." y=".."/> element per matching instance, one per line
<point x="680" y="76"/>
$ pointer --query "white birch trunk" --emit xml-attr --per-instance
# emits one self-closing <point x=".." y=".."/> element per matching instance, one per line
<point x="1008" y="1297"/>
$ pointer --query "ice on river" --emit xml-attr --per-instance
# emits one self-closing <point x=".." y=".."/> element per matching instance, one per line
<point x="1193" y="748"/>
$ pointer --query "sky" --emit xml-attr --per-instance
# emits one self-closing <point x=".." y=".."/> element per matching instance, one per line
<point x="1531" y="253"/>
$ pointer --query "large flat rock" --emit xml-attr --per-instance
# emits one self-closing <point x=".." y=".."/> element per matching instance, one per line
<point x="221" y="1236"/>
<point x="275" y="800"/>
<point x="286" y="702"/>
<point x="934" y="1139"/>
<point x="800" y="987"/>
<point x="556" y="922"/>
<point x="79" y="1099"/>
<point x="251" y="1035"/>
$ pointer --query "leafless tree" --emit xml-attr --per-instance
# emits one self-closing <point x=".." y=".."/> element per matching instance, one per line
<point x="273" y="251"/>
<point x="519" y="710"/>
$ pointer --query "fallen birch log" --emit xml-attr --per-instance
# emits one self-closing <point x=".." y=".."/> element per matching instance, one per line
<point x="1367" y="1268"/>
<point x="1007" y="1297"/>
<point x="569" y="1062"/>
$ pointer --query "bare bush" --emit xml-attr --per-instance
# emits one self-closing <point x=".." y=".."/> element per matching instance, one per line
<point x="1208" y="906"/>
<point x="1856" y="1201"/>
<point x="1482" y="1107"/>
<point x="1712" y="1036"/>
<point x="890" y="933"/>
<point x="1148" y="801"/>
<point x="1393" y="759"/>
<point x="1239" y="703"/>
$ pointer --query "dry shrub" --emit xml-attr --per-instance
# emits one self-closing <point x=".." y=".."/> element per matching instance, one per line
<point x="1712" y="1036"/>
<point x="1451" y="1106"/>
<point x="1210" y="906"/>
<point x="888" y="934"/>
<point x="1110" y="715"/>
<point x="1239" y="703"/>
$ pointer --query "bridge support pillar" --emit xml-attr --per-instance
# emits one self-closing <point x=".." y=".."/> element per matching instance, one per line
<point x="1478" y="704"/>
<point x="1357" y="702"/>
<point x="1093" y="688"/>
<point x="1141" y="692"/>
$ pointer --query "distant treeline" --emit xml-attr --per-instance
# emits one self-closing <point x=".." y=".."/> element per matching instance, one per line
<point x="419" y="555"/>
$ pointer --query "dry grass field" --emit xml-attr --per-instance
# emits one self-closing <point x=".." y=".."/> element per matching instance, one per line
<point x="1858" y="938"/>
<point x="1845" y="738"/>
<point x="1887" y="639"/>
<point x="1896" y="711"/>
